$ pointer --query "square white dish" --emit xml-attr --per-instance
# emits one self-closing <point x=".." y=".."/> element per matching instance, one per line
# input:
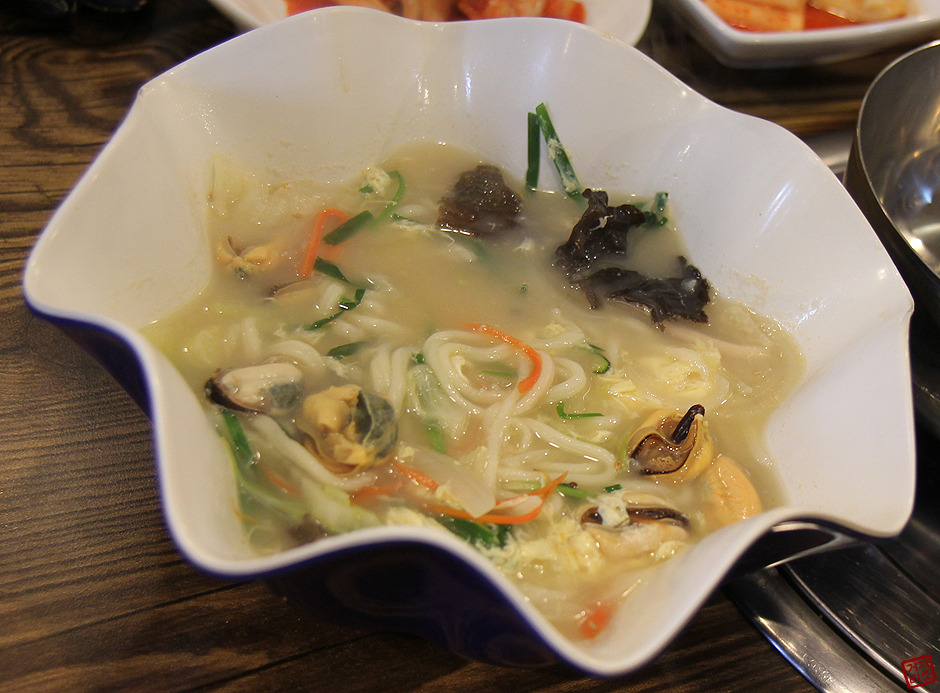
<point x="752" y="49"/>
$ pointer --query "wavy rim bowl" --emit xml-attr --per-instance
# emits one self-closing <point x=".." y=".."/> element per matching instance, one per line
<point x="127" y="246"/>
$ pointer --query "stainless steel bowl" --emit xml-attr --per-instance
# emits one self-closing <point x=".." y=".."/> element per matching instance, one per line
<point x="893" y="173"/>
<point x="893" y="170"/>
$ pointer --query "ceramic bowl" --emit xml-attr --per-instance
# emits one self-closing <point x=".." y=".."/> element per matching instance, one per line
<point x="762" y="217"/>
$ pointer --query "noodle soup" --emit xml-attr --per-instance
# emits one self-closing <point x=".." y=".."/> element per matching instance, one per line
<point x="370" y="363"/>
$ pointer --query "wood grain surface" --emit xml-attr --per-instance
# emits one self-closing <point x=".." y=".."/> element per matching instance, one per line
<point x="93" y="594"/>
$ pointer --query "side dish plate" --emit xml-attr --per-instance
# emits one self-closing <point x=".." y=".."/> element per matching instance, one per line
<point x="749" y="49"/>
<point x="625" y="20"/>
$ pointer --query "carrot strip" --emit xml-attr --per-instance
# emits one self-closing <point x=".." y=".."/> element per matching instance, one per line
<point x="416" y="476"/>
<point x="549" y="488"/>
<point x="316" y="235"/>
<point x="278" y="481"/>
<point x="368" y="493"/>
<point x="595" y="620"/>
<point x="495" y="518"/>
<point x="498" y="518"/>
<point x="530" y="380"/>
<point x="492" y="518"/>
<point x="242" y="516"/>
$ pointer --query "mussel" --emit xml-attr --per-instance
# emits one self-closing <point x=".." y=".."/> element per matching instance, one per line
<point x="667" y="443"/>
<point x="270" y="388"/>
<point x="348" y="428"/>
<point x="634" y="525"/>
<point x="245" y="261"/>
<point x="728" y="493"/>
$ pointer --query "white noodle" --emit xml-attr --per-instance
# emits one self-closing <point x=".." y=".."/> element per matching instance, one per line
<point x="347" y="330"/>
<point x="588" y="459"/>
<point x="437" y="359"/>
<point x="269" y="429"/>
<point x="555" y="437"/>
<point x="380" y="370"/>
<point x="460" y="356"/>
<point x="575" y="383"/>
<point x="537" y="392"/>
<point x="389" y="374"/>
<point x="398" y="382"/>
<point x="308" y="359"/>
<point x="535" y="464"/>
<point x="495" y="420"/>
<point x="366" y="321"/>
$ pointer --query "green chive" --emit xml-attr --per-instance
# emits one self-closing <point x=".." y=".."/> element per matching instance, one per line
<point x="534" y="152"/>
<point x="583" y="415"/>
<point x="658" y="216"/>
<point x="255" y="494"/>
<point x="348" y="304"/>
<point x="660" y="199"/>
<point x="240" y="446"/>
<point x="605" y="362"/>
<point x="345" y="230"/>
<point x="476" y="532"/>
<point x="330" y="270"/>
<point x="322" y="322"/>
<point x="344" y="305"/>
<point x="396" y="198"/>
<point x="573" y="491"/>
<point x="344" y="350"/>
<point x="557" y="153"/>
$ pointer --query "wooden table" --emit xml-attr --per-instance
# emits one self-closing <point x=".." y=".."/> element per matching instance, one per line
<point x="93" y="594"/>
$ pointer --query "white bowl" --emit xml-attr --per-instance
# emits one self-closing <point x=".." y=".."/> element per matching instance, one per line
<point x="763" y="218"/>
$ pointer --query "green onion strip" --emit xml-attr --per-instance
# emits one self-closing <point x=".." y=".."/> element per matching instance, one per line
<point x="604" y="365"/>
<point x="345" y="230"/>
<point x="344" y="350"/>
<point x="534" y="152"/>
<point x="396" y="198"/>
<point x="344" y="305"/>
<point x="558" y="154"/>
<point x="581" y="415"/>
<point x="253" y="490"/>
<point x="353" y="225"/>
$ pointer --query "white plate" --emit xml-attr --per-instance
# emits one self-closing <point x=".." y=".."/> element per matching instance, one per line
<point x="625" y="20"/>
<point x="738" y="48"/>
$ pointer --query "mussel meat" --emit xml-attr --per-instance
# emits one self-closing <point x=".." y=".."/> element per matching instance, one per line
<point x="349" y="428"/>
<point x="270" y="388"/>
<point x="728" y="493"/>
<point x="667" y="443"/>
<point x="635" y="524"/>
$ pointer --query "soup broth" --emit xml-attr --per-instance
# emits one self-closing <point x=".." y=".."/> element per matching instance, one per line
<point x="411" y="374"/>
